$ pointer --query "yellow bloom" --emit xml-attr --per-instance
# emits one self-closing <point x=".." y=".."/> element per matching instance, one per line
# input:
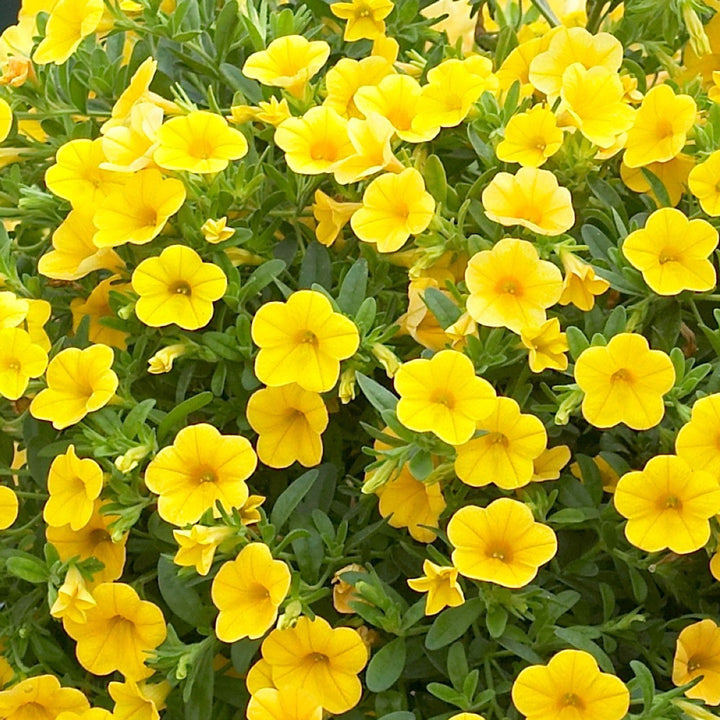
<point x="291" y="704"/>
<point x="581" y="285"/>
<point x="162" y="361"/>
<point x="93" y="540"/>
<point x="344" y="592"/>
<point x="79" y="382"/>
<point x="323" y="661"/>
<point x="248" y="592"/>
<point x="95" y="713"/>
<point x="129" y="148"/>
<point x="443" y="395"/>
<point x="411" y="504"/>
<point x="547" y="345"/>
<point x="73" y="598"/>
<point x="273" y="112"/>
<point x="315" y="142"/>
<point x="704" y="180"/>
<point x="201" y="467"/>
<point x="249" y="512"/>
<point x="138" y="212"/>
<point x="549" y="464"/>
<point x="347" y="76"/>
<point x="459" y="23"/>
<point x="74" y="485"/>
<point x="289" y="421"/>
<point x="331" y="216"/>
<point x="516" y="66"/>
<point x="393" y="208"/>
<point x="40" y="697"/>
<point x="365" y="18"/>
<point x="197" y="546"/>
<point x="698" y="653"/>
<point x="608" y="474"/>
<point x="216" y="231"/>
<point x="501" y="543"/>
<point x="441" y="585"/>
<point x="660" y="128"/>
<point x="570" y="685"/>
<point x="510" y="286"/>
<point x="97" y="307"/>
<point x="624" y="381"/>
<point x="668" y="504"/>
<point x="673" y="252"/>
<point x="6" y="119"/>
<point x="288" y="62"/>
<point x="259" y="676"/>
<point x="505" y="454"/>
<point x="20" y="360"/>
<point x="200" y="142"/>
<point x="138" y="701"/>
<point x="531" y="198"/>
<point x="9" y="507"/>
<point x="177" y="287"/>
<point x="302" y="341"/>
<point x="102" y="647"/>
<point x="13" y="310"/>
<point x="531" y="137"/>
<point x="38" y="315"/>
<point x="698" y="442"/>
<point x="69" y="22"/>
<point x="673" y="174"/>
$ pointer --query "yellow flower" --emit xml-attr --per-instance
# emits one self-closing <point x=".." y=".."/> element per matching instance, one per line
<point x="608" y="474"/>
<point x="347" y="76"/>
<point x="289" y="421"/>
<point x="95" y="713"/>
<point x="698" y="442"/>
<point x="673" y="252"/>
<point x="570" y="685"/>
<point x="290" y="704"/>
<point x="581" y="285"/>
<point x="6" y="119"/>
<point x="102" y="647"/>
<point x="177" y="287"/>
<point x="93" y="540"/>
<point x="411" y="504"/>
<point x="97" y="307"/>
<point x="216" y="231"/>
<point x="624" y="381"/>
<point x="698" y="653"/>
<point x="457" y="23"/>
<point x="259" y="676"/>
<point x="510" y="286"/>
<point x="673" y="174"/>
<point x="9" y="506"/>
<point x="501" y="543"/>
<point x="138" y="212"/>
<point x="531" y="198"/>
<point x="315" y="142"/>
<point x="704" y="180"/>
<point x="547" y="345"/>
<point x="197" y="546"/>
<point x="531" y="137"/>
<point x="516" y="66"/>
<point x="73" y="598"/>
<point x="74" y="254"/>
<point x="40" y="697"/>
<point x="162" y="361"/>
<point x="441" y="585"/>
<point x="200" y="142"/>
<point x="660" y="128"/>
<point x="322" y="661"/>
<point x="504" y="455"/>
<point x="248" y="592"/>
<point x="443" y="395"/>
<point x="344" y="592"/>
<point x="393" y="208"/>
<point x="668" y="504"/>
<point x="129" y="148"/>
<point x="331" y="216"/>
<point x="249" y="512"/>
<point x="365" y="18"/>
<point x="138" y="701"/>
<point x="79" y="382"/>
<point x="549" y="464"/>
<point x="273" y="112"/>
<point x="288" y="62"/>
<point x="74" y="485"/>
<point x="302" y="341"/>
<point x="69" y="22"/>
<point x="20" y="360"/>
<point x="13" y="310"/>
<point x="38" y="314"/>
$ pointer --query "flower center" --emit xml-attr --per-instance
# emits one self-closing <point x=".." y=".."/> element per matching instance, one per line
<point x="672" y="502"/>
<point x="666" y="256"/>
<point x="509" y="286"/>
<point x="693" y="664"/>
<point x="181" y="288"/>
<point x="443" y="397"/>
<point x="621" y="375"/>
<point x="499" y="552"/>
<point x="319" y="658"/>
<point x="99" y="536"/>
<point x="308" y="337"/>
<point x="207" y="475"/>
<point x="200" y="149"/>
<point x="498" y="439"/>
<point x="323" y="150"/>
<point x="14" y="365"/>
<point x="572" y="700"/>
<point x="665" y="128"/>
<point x="400" y="119"/>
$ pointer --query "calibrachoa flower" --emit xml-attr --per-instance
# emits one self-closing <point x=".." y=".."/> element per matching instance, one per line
<point x="324" y="661"/>
<point x="668" y="505"/>
<point x="673" y="174"/>
<point x="549" y="464"/>
<point x="97" y="307"/>
<point x="248" y="592"/>
<point x="302" y="341"/>
<point x="704" y="180"/>
<point x="20" y="360"/>
<point x="698" y="442"/>
<point x="365" y="18"/>
<point x="501" y="543"/>
<point x="531" y="137"/>
<point x="291" y="704"/>
<point x="443" y="395"/>
<point x="331" y="216"/>
<point x="547" y="345"/>
<point x="73" y="597"/>
<point x="441" y="585"/>
<point x="673" y="252"/>
<point x="197" y="546"/>
<point x="216" y="231"/>
<point x="200" y="468"/>
<point x="570" y="685"/>
<point x="347" y="77"/>
<point x="9" y="507"/>
<point x="138" y="700"/>
<point x="698" y="653"/>
<point x="69" y="22"/>
<point x="581" y="285"/>
<point x="624" y="381"/>
<point x="41" y="694"/>
<point x="177" y="287"/>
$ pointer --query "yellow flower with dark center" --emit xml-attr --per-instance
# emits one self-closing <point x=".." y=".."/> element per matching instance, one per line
<point x="138" y="700"/>
<point x="79" y="382"/>
<point x="69" y="22"/>
<point x="580" y="285"/>
<point x="322" y="661"/>
<point x="302" y="341"/>
<point x="97" y="307"/>
<point x="501" y="543"/>
<point x="673" y="252"/>
<point x="668" y="505"/>
<point x="441" y="585"/>
<point x="624" y="381"/>
<point x="697" y="653"/>
<point x="73" y="597"/>
<point x="704" y="182"/>
<point x="570" y="686"/>
<point x="198" y="544"/>
<point x="531" y="137"/>
<point x="365" y="18"/>
<point x="547" y="345"/>
<point x="698" y="442"/>
<point x="40" y="697"/>
<point x="177" y="287"/>
<point x="201" y="467"/>
<point x="20" y="360"/>
<point x="248" y="592"/>
<point x="119" y="632"/>
<point x="291" y="704"/>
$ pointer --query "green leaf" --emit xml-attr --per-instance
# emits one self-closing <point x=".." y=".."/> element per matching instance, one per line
<point x="577" y="342"/>
<point x="291" y="498"/>
<point x="180" y="597"/>
<point x="178" y="414"/>
<point x="457" y="664"/>
<point x="200" y="685"/>
<point x="380" y="397"/>
<point x="452" y="624"/>
<point x="399" y="715"/>
<point x="260" y="279"/>
<point x="354" y="287"/>
<point x="442" y="307"/>
<point x="27" y="568"/>
<point x="316" y="267"/>
<point x="496" y="620"/>
<point x="386" y="666"/>
<point x="658" y="188"/>
<point x="435" y="179"/>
